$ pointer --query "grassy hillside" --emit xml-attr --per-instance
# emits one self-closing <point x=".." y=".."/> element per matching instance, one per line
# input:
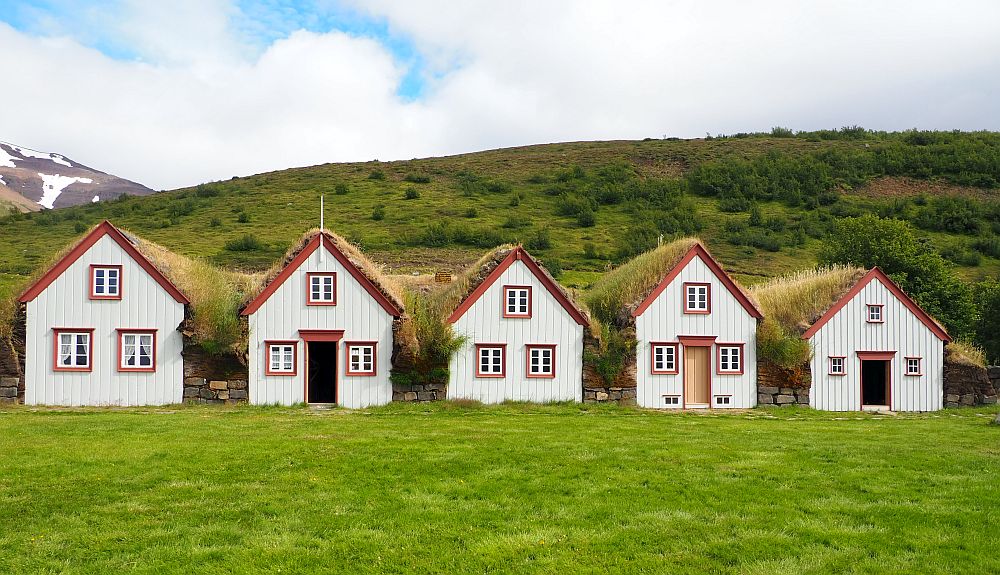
<point x="762" y="202"/>
<point x="503" y="489"/>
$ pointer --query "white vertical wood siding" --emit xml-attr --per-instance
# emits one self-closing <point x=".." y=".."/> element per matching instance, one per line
<point x="548" y="324"/>
<point x="66" y="303"/>
<point x="665" y="319"/>
<point x="285" y="313"/>
<point x="848" y="332"/>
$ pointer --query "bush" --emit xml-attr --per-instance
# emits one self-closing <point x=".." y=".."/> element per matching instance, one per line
<point x="243" y="218"/>
<point x="79" y="227"/>
<point x="206" y="191"/>
<point x="417" y="178"/>
<point x="554" y="267"/>
<point x="247" y="243"/>
<point x="341" y="189"/>
<point x="215" y="222"/>
<point x="590" y="251"/>
<point x="471" y="213"/>
<point x="411" y="194"/>
<point x="586" y="219"/>
<point x="540" y="240"/>
<point x="615" y="352"/>
<point x="516" y="222"/>
<point x="515" y="200"/>
<point x="376" y="174"/>
<point x="781" y="348"/>
<point x="378" y="213"/>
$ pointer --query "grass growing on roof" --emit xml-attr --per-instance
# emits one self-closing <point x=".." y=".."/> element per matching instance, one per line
<point x="791" y="303"/>
<point x="965" y="353"/>
<point x="629" y="283"/>
<point x="507" y="489"/>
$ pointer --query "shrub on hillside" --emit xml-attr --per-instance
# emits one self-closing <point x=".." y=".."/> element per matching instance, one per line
<point x="586" y="219"/>
<point x="247" y="243"/>
<point x="540" y="240"/>
<point x="341" y="189"/>
<point x="378" y="213"/>
<point x="376" y="174"/>
<point x="417" y="178"/>
<point x="411" y="194"/>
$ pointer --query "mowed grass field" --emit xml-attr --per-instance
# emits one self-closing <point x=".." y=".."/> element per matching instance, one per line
<point x="506" y="489"/>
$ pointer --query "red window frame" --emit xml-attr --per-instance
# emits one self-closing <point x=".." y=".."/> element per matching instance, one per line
<point x="347" y="357"/>
<point x="56" y="332"/>
<point x="881" y="313"/>
<point x="527" y="360"/>
<point x="503" y="360"/>
<point x="718" y="358"/>
<point x="920" y="365"/>
<point x="309" y="277"/>
<point x="708" y="297"/>
<point x="507" y="288"/>
<point x="295" y="357"/>
<point x="93" y="269"/>
<point x="121" y="332"/>
<point x="829" y="365"/>
<point x="652" y="357"/>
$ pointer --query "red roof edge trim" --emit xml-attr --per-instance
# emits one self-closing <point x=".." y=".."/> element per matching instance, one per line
<point x="700" y="251"/>
<point x="876" y="273"/>
<point x="102" y="229"/>
<point x="519" y="254"/>
<point x="302" y="256"/>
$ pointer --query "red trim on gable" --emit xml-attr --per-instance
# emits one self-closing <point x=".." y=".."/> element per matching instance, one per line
<point x="700" y="251"/>
<point x="697" y="340"/>
<point x="911" y="305"/>
<point x="519" y="254"/>
<point x="302" y="256"/>
<point x="104" y="228"/>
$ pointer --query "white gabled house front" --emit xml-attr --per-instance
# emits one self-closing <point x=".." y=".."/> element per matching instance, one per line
<point x="875" y="348"/>
<point x="696" y="336"/>
<point x="321" y="332"/>
<point x="524" y="337"/>
<point x="102" y="328"/>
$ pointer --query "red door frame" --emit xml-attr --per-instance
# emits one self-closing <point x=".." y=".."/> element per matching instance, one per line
<point x="887" y="357"/>
<point x="323" y="335"/>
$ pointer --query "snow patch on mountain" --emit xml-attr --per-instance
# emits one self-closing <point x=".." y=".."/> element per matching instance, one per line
<point x="8" y="160"/>
<point x="53" y="185"/>
<point x="2" y="183"/>
<point x="96" y="199"/>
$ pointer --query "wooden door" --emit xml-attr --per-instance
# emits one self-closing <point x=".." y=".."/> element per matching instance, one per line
<point x="697" y="375"/>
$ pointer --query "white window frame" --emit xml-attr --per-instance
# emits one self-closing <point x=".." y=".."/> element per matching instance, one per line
<point x="74" y="348"/>
<point x="494" y="368"/>
<point x="657" y="369"/>
<point x="671" y="400"/>
<point x="843" y="365"/>
<point x="919" y="366"/>
<point x="137" y="347"/>
<point x="327" y="284"/>
<point x="693" y="293"/>
<point x="285" y="359"/>
<point x="728" y="356"/>
<point x="107" y="271"/>
<point x="875" y="307"/>
<point x="542" y="350"/>
<point x="361" y="358"/>
<point x="520" y="297"/>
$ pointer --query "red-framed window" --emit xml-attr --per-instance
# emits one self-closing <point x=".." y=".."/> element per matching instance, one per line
<point x="837" y="365"/>
<point x="729" y="358"/>
<point x="362" y="357"/>
<point x="697" y="297"/>
<point x="105" y="281"/>
<point x="491" y="360"/>
<point x="875" y="313"/>
<point x="321" y="288"/>
<point x="137" y="350"/>
<point x="540" y="361"/>
<point x="913" y="365"/>
<point x="663" y="358"/>
<point x="73" y="349"/>
<point x="517" y="301"/>
<point x="282" y="357"/>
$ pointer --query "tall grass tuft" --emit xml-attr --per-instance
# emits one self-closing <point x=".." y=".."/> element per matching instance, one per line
<point x="965" y="353"/>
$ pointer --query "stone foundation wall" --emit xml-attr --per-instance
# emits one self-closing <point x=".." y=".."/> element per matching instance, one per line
<point x="12" y="360"/>
<point x="11" y="390"/>
<point x="781" y="386"/>
<point x="219" y="391"/>
<point x="419" y="392"/>
<point x="966" y="385"/>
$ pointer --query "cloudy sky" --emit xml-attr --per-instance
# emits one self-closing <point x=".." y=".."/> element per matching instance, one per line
<point x="176" y="93"/>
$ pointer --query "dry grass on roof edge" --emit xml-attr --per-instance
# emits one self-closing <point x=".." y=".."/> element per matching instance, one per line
<point x="795" y="301"/>
<point x="389" y="286"/>
<point x="613" y="297"/>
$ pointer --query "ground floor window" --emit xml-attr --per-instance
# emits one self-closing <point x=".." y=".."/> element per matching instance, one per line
<point x="361" y="358"/>
<point x="74" y="350"/>
<point x="664" y="358"/>
<point x="281" y="358"/>
<point x="541" y="360"/>
<point x="136" y="350"/>
<point x="837" y="365"/>
<point x="491" y="359"/>
<point x="914" y="366"/>
<point x="730" y="359"/>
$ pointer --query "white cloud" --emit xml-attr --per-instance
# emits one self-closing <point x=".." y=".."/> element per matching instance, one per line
<point x="204" y="104"/>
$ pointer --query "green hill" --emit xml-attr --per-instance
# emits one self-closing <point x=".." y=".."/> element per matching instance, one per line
<point x="763" y="202"/>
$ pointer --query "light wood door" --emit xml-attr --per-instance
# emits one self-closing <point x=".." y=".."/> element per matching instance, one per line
<point x="697" y="375"/>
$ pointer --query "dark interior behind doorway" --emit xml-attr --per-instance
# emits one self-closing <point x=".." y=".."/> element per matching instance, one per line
<point x="322" y="385"/>
<point x="874" y="382"/>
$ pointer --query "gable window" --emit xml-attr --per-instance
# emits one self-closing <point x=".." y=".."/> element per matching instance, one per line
<point x="875" y="313"/>
<point x="136" y="350"/>
<point x="914" y="366"/>
<point x="321" y="289"/>
<point x="730" y="359"/>
<point x="491" y="360"/>
<point x="281" y="357"/>
<point x="838" y="365"/>
<point x="361" y="358"/>
<point x="541" y="361"/>
<point x="73" y="349"/>
<point x="664" y="358"/>
<point x="517" y="301"/>
<point x="105" y="282"/>
<point x="697" y="298"/>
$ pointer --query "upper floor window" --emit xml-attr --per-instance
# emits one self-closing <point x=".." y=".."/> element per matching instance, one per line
<point x="875" y="313"/>
<point x="73" y="350"/>
<point x="105" y="282"/>
<point x="664" y="358"/>
<point x="517" y="301"/>
<point x="731" y="359"/>
<point x="136" y="350"/>
<point x="322" y="288"/>
<point x="697" y="298"/>
<point x="361" y="358"/>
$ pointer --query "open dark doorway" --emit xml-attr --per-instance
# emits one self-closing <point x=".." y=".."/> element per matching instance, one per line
<point x="321" y="386"/>
<point x="874" y="382"/>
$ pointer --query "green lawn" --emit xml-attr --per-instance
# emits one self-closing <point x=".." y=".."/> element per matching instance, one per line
<point x="515" y="488"/>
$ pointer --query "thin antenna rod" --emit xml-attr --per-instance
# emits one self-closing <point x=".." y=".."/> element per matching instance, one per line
<point x="321" y="228"/>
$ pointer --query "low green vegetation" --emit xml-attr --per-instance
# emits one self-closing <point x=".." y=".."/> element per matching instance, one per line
<point x="446" y="488"/>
